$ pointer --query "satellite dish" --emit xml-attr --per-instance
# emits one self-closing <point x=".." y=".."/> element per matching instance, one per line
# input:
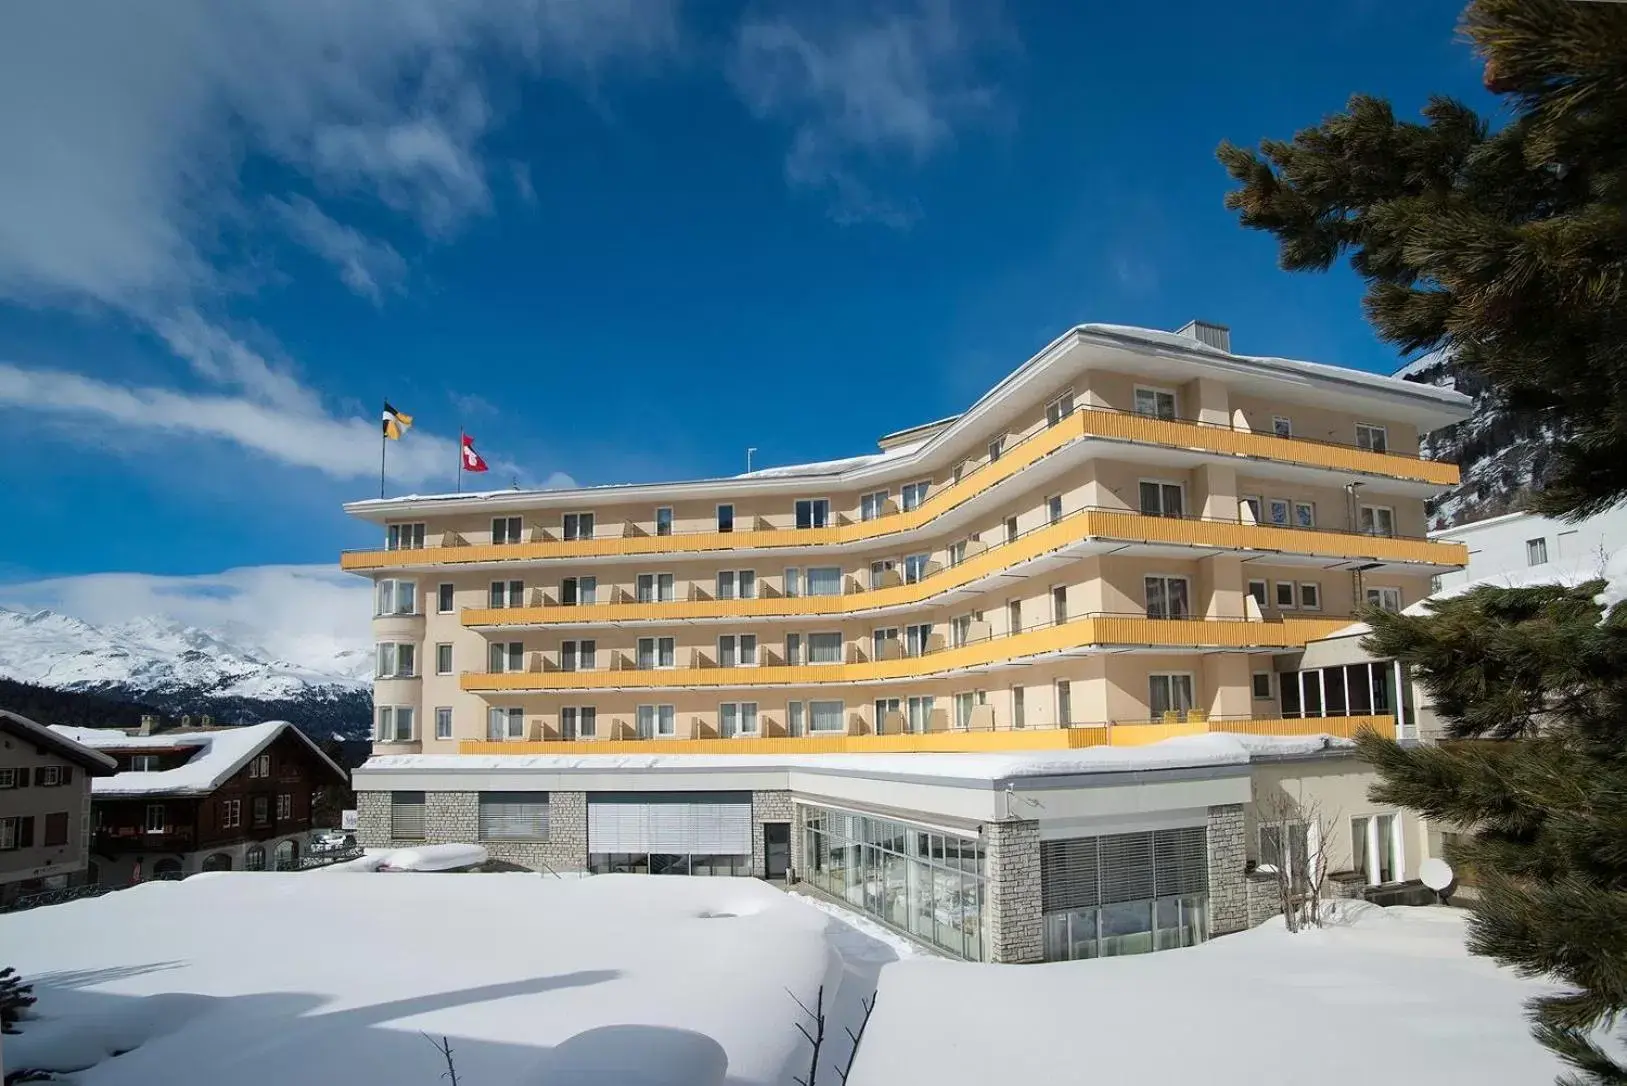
<point x="1435" y="874"/>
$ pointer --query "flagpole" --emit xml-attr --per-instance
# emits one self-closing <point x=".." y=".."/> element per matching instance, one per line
<point x="384" y="445"/>
<point x="460" y="460"/>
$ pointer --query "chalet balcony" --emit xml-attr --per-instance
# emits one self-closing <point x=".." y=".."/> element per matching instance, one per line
<point x="172" y="839"/>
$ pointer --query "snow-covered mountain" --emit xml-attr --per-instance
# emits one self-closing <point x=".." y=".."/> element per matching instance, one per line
<point x="168" y="663"/>
<point x="1504" y="459"/>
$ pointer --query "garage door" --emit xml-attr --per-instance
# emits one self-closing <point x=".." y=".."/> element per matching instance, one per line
<point x="705" y="823"/>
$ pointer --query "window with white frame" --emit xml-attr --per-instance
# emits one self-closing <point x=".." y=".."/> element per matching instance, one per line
<point x="1019" y="712"/>
<point x="791" y="582"/>
<point x="813" y="512"/>
<point x="1372" y="438"/>
<point x="506" y="594"/>
<point x="915" y="567"/>
<point x="824" y="648"/>
<point x="1375" y="520"/>
<point x="396" y="660"/>
<point x="1169" y="693"/>
<point x="1257" y="589"/>
<point x="879" y="570"/>
<point x="960" y="627"/>
<point x="261" y="808"/>
<point x="884" y="643"/>
<point x="957" y="553"/>
<point x="261" y="766"/>
<point x="736" y="718"/>
<point x="826" y="716"/>
<point x="996" y="447"/>
<point x="1014" y="616"/>
<point x="657" y="652"/>
<point x="1310" y="596"/>
<point x="503" y="657"/>
<point x="1053" y="508"/>
<point x="443" y="658"/>
<point x="1284" y="846"/>
<point x="443" y="722"/>
<point x="824" y="580"/>
<point x="1158" y="403"/>
<point x="579" y="722"/>
<point x="1375" y="844"/>
<point x="1161" y="499"/>
<point x="1011" y="530"/>
<point x="506" y="530"/>
<point x="1064" y="703"/>
<point x="655" y="588"/>
<point x="663" y="520"/>
<point x="395" y="724"/>
<point x="285" y="807"/>
<point x="443" y="599"/>
<point x="873" y="505"/>
<point x="913" y="494"/>
<point x="578" y="655"/>
<point x="1536" y="552"/>
<point x="1059" y="408"/>
<point x="737" y="650"/>
<point x="1253" y="506"/>
<point x="1304" y="514"/>
<point x="654" y="721"/>
<point x="143" y="763"/>
<point x="796" y="718"/>
<point x="725" y="518"/>
<point x="231" y="813"/>
<point x="1279" y="511"/>
<point x="404" y="537"/>
<point x="1059" y="604"/>
<point x="395" y="597"/>
<point x="574" y="591"/>
<point x="1167" y="597"/>
<point x="883" y="708"/>
<point x="1262" y="685"/>
<point x="1385" y="599"/>
<point x="964" y="704"/>
<point x="793" y="650"/>
<point x="917" y="639"/>
<point x="1282" y="425"/>
<point x="1286" y="599"/>
<point x="918" y="714"/>
<point x="157" y="818"/>
<point x="578" y="526"/>
<point x="737" y="584"/>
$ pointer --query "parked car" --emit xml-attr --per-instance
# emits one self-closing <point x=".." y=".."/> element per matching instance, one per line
<point x="331" y="840"/>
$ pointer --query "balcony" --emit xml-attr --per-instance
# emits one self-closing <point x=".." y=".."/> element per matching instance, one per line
<point x="949" y="740"/>
<point x="1082" y="635"/>
<point x="123" y="839"/>
<point x="1211" y="440"/>
<point x="1083" y="532"/>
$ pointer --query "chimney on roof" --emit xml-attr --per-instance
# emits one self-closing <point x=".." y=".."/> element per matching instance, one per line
<point x="1217" y="336"/>
<point x="149" y="724"/>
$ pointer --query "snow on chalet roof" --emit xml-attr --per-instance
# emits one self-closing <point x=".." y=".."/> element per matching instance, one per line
<point x="1213" y="750"/>
<point x="93" y="760"/>
<point x="218" y="754"/>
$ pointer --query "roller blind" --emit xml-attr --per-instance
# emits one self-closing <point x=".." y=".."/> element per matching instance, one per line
<point x="704" y="825"/>
<point x="407" y="815"/>
<point x="514" y="815"/>
<point x="1085" y="871"/>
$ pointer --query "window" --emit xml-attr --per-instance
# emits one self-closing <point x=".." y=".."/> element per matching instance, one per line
<point x="1536" y="552"/>
<point x="796" y="721"/>
<point x="1372" y="438"/>
<point x="884" y="707"/>
<point x="395" y="724"/>
<point x="917" y="639"/>
<point x="578" y="526"/>
<point x="262" y="810"/>
<point x="957" y="472"/>
<point x="578" y="655"/>
<point x="957" y="553"/>
<point x="578" y="722"/>
<point x="443" y="722"/>
<point x="725" y="518"/>
<point x="656" y="720"/>
<point x="1284" y="846"/>
<point x="655" y="588"/>
<point x="1059" y="604"/>
<point x="879" y="571"/>
<point x="143" y="763"/>
<point x="918" y="714"/>
<point x="56" y="829"/>
<point x="1014" y="616"/>
<point x="996" y="447"/>
<point x="824" y="580"/>
<point x="737" y="650"/>
<point x="443" y="599"/>
<point x="825" y="716"/>
<point x="737" y="718"/>
<point x="285" y="807"/>
<point x="578" y="590"/>
<point x="254" y="857"/>
<point x="1053" y="508"/>
<point x="1285" y="595"/>
<point x="8" y="779"/>
<point x="1064" y="702"/>
<point x="1385" y="599"/>
<point x="156" y="817"/>
<point x="913" y="494"/>
<point x="396" y="660"/>
<point x="501" y="657"/>
<point x="51" y="776"/>
<point x="915" y="567"/>
<point x="1304" y="514"/>
<point x="404" y="537"/>
<point x="1166" y="597"/>
<point x="1375" y="848"/>
<point x="504" y="723"/>
<point x="813" y="512"/>
<point x="1278" y="510"/>
<point x="1257" y="590"/>
<point x="1019" y="714"/>
<point x="506" y="594"/>
<point x="1169" y="694"/>
<point x="396" y="597"/>
<point x="884" y="644"/>
<point x="873" y="505"/>
<point x="1376" y="520"/>
<point x="231" y="813"/>
<point x="1282" y="426"/>
<point x="791" y="583"/>
<point x="1011" y="530"/>
<point x="261" y="766"/>
<point x="506" y="530"/>
<point x="1310" y="596"/>
<point x="656" y="652"/>
<point x="443" y="659"/>
<point x="737" y="584"/>
<point x="406" y="822"/>
<point x="663" y="520"/>
<point x="1158" y="403"/>
<point x="16" y="833"/>
<point x="1162" y="499"/>
<point x="824" y="648"/>
<point x="1059" y="408"/>
<point x="960" y="628"/>
<point x="1251" y="507"/>
<point x="1262" y="685"/>
<point x="513" y="816"/>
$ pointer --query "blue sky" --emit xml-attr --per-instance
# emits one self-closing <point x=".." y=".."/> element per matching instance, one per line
<point x="617" y="242"/>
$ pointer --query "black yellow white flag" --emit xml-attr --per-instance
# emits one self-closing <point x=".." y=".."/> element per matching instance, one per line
<point x="395" y="423"/>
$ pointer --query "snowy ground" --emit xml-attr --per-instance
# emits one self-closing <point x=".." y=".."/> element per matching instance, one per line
<point x="254" y="978"/>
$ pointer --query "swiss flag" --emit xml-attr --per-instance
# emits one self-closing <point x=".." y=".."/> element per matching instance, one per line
<point x="471" y="459"/>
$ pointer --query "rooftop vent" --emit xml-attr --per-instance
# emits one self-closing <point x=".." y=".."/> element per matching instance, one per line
<point x="1217" y="336"/>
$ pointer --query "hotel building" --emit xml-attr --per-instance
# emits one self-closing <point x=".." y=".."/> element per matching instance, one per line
<point x="1106" y="550"/>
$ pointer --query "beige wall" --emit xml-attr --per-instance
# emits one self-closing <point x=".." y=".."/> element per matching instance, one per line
<point x="1332" y="791"/>
<point x="72" y="799"/>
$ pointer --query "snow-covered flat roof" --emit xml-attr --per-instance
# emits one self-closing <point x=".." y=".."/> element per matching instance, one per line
<point x="219" y="753"/>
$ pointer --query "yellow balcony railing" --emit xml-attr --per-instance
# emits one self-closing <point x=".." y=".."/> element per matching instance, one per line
<point x="1083" y="423"/>
<point x="1082" y="633"/>
<point x="1118" y="526"/>
<point x="950" y="741"/>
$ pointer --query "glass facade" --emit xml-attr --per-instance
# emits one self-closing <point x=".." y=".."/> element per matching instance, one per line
<point x="928" y="884"/>
<point x="657" y="863"/>
<point x="1127" y="893"/>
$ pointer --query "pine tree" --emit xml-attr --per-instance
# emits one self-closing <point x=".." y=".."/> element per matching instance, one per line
<point x="1506" y="246"/>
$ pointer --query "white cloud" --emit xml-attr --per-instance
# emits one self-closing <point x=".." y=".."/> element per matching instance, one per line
<point x="858" y="92"/>
<point x="365" y="265"/>
<point x="303" y="614"/>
